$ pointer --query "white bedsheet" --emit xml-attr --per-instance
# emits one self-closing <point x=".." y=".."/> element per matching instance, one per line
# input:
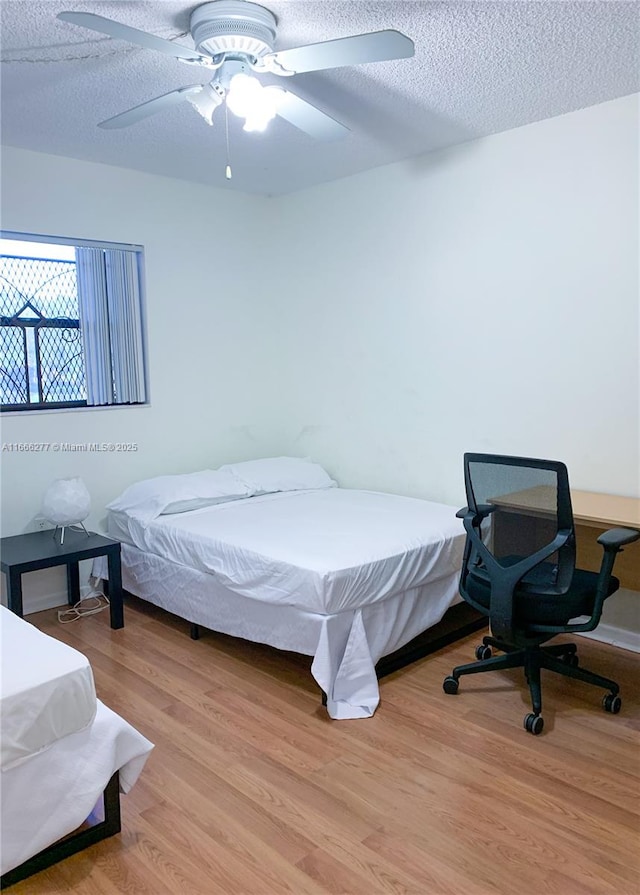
<point x="50" y="794"/>
<point x="345" y="646"/>
<point x="326" y="551"/>
<point x="47" y="690"/>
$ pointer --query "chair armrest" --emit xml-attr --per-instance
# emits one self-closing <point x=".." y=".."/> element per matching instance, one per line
<point x="618" y="537"/>
<point x="484" y="510"/>
<point x="612" y="542"/>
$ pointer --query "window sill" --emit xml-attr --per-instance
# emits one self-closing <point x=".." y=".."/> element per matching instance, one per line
<point x="45" y="410"/>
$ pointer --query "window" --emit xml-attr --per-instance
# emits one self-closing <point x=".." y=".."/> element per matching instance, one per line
<point x="71" y="324"/>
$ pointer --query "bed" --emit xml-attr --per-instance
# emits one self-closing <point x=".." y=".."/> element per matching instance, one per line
<point x="274" y="552"/>
<point x="61" y="750"/>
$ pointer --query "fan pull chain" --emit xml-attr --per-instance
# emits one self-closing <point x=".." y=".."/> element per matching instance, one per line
<point x="227" y="170"/>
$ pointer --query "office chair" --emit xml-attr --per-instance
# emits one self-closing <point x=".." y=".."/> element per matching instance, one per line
<point x="519" y="570"/>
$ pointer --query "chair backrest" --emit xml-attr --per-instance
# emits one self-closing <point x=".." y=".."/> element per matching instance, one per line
<point x="530" y="503"/>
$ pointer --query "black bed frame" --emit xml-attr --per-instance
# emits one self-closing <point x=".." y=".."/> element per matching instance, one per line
<point x="75" y="842"/>
<point x="459" y="621"/>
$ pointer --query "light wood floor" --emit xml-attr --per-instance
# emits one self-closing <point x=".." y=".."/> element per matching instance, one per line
<point x="253" y="790"/>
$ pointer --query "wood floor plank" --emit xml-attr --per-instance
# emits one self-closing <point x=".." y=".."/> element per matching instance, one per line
<point x="189" y="788"/>
<point x="255" y="865"/>
<point x="434" y="874"/>
<point x="253" y="790"/>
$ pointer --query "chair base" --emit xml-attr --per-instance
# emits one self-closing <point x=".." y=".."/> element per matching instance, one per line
<point x="561" y="658"/>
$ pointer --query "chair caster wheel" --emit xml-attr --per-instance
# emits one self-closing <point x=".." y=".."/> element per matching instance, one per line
<point x="450" y="685"/>
<point x="533" y="723"/>
<point x="571" y="659"/>
<point x="612" y="703"/>
<point x="483" y="652"/>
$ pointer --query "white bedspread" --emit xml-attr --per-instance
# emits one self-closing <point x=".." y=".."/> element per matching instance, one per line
<point x="326" y="551"/>
<point x="47" y="690"/>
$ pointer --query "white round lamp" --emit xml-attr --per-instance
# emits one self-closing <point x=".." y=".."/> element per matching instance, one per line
<point x="66" y="502"/>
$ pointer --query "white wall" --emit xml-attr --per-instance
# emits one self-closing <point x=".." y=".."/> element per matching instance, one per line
<point x="484" y="298"/>
<point x="210" y="358"/>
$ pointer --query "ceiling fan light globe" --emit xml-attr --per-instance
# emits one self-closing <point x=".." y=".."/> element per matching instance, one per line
<point x="248" y="99"/>
<point x="258" y="121"/>
<point x="253" y="126"/>
<point x="243" y="95"/>
<point x="244" y="90"/>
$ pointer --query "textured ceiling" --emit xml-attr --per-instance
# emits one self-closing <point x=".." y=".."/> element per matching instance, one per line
<point x="479" y="68"/>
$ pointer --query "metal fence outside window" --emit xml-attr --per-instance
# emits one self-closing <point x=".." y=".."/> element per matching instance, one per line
<point x="41" y="356"/>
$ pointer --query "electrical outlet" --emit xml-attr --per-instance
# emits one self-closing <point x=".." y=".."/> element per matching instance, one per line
<point x="41" y="524"/>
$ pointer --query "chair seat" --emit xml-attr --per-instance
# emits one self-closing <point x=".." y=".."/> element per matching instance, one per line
<point x="545" y="609"/>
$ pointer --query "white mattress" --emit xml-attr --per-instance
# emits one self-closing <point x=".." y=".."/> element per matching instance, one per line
<point x="47" y="690"/>
<point x="326" y="551"/>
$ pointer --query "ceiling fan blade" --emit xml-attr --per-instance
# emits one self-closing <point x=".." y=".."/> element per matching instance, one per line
<point x="307" y="118"/>
<point x="131" y="35"/>
<point x="144" y="110"/>
<point x="378" y="46"/>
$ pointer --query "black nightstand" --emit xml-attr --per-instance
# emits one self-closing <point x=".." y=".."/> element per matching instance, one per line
<point x="39" y="550"/>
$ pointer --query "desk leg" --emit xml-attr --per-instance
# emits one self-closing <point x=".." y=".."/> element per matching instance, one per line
<point x="14" y="591"/>
<point x="73" y="583"/>
<point x="115" y="588"/>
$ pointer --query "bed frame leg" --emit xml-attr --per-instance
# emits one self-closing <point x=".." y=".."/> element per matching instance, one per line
<point x="194" y="632"/>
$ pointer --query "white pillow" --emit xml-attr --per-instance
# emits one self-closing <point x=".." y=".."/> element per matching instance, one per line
<point x="280" y="474"/>
<point x="150" y="498"/>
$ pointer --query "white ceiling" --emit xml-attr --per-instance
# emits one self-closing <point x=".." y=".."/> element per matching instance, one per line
<point x="479" y="68"/>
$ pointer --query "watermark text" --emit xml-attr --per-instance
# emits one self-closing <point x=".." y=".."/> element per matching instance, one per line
<point x="69" y="447"/>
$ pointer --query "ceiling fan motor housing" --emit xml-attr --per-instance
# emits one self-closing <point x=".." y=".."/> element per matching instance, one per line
<point x="233" y="26"/>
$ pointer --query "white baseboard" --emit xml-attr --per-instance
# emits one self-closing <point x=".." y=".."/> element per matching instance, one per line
<point x="38" y="602"/>
<point x="622" y="637"/>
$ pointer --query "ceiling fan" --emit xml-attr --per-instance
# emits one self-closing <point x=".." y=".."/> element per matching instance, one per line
<point x="235" y="39"/>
